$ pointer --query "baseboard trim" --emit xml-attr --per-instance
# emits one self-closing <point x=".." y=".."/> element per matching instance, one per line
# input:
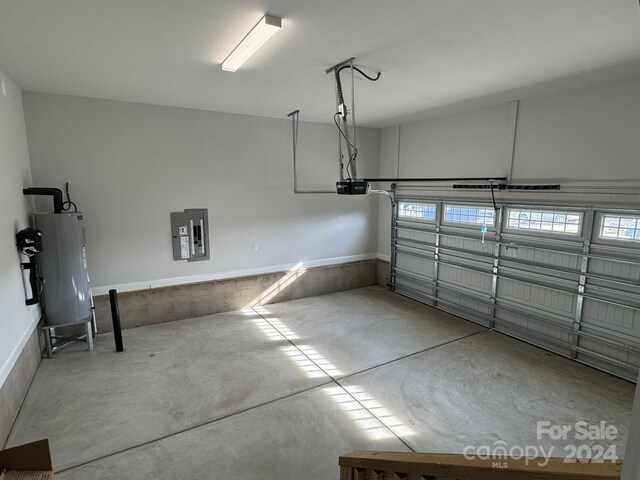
<point x="206" y="277"/>
<point x="15" y="354"/>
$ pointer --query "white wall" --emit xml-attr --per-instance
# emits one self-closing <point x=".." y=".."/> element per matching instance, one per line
<point x="468" y="144"/>
<point x="584" y="135"/>
<point x="389" y="144"/>
<point x="129" y="165"/>
<point x="588" y="134"/>
<point x="17" y="321"/>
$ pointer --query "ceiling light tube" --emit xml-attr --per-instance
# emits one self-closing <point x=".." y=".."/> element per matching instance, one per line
<point x="258" y="36"/>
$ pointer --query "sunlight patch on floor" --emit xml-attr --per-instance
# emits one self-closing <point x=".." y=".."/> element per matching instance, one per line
<point x="303" y="362"/>
<point x="382" y="413"/>
<point x="371" y="426"/>
<point x="268" y="329"/>
<point x="319" y="360"/>
<point x="283" y="329"/>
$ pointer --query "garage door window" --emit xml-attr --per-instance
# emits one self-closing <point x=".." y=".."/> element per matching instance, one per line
<point x="468" y="214"/>
<point x="417" y="211"/>
<point x="616" y="227"/>
<point x="545" y="221"/>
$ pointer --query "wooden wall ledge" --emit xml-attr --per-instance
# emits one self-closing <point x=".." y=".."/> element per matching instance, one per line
<point x="430" y="466"/>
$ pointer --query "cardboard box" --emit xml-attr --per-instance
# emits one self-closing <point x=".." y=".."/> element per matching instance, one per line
<point x="27" y="462"/>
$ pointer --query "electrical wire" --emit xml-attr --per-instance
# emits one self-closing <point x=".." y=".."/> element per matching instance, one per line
<point x="343" y="116"/>
<point x="377" y="77"/>
<point x="352" y="150"/>
<point x="493" y="198"/>
<point x="68" y="203"/>
<point x="351" y="164"/>
<point x="355" y="149"/>
<point x="389" y="194"/>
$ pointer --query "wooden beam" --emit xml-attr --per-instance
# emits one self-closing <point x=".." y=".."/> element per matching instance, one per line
<point x="455" y="466"/>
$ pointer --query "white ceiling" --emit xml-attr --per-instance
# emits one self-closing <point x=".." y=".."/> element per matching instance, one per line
<point x="434" y="53"/>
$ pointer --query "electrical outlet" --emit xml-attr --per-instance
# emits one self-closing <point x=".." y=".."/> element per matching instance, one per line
<point x="256" y="247"/>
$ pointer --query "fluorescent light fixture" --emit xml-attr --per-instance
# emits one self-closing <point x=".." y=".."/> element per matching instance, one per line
<point x="258" y="36"/>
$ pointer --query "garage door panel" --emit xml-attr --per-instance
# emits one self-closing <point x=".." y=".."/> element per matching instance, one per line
<point x="615" y="292"/>
<point x="419" y="285"/>
<point x="542" y="257"/>
<point x="615" y="360"/>
<point x="466" y="259"/>
<point x="470" y="245"/>
<point x="555" y="334"/>
<point x="417" y="236"/>
<point x="611" y="351"/>
<point x="477" y="281"/>
<point x="413" y="263"/>
<point x="468" y="303"/>
<point x="543" y="298"/>
<point x="627" y="372"/>
<point x="615" y="270"/>
<point x="614" y="317"/>
<point x="544" y="274"/>
<point x="416" y="294"/>
<point x="553" y="284"/>
<point x="543" y="341"/>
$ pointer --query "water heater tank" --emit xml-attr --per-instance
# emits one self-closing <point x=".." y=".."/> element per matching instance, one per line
<point x="63" y="266"/>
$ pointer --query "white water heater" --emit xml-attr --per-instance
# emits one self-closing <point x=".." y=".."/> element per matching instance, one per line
<point x="63" y="268"/>
<point x="62" y="264"/>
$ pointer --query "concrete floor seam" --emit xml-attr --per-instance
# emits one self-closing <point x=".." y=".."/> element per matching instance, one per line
<point x="194" y="427"/>
<point x="373" y="415"/>
<point x="404" y="357"/>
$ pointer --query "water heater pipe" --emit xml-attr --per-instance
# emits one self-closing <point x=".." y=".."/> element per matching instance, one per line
<point x="56" y="193"/>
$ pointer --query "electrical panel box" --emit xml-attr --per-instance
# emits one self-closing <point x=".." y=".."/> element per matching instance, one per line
<point x="190" y="234"/>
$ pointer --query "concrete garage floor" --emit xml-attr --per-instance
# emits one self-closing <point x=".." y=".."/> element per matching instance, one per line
<point x="280" y="391"/>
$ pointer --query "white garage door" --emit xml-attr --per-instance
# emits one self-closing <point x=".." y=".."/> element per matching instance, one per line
<point x="564" y="278"/>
